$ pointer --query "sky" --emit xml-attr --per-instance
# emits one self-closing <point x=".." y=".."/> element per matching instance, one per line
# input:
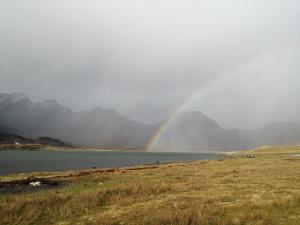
<point x="146" y="58"/>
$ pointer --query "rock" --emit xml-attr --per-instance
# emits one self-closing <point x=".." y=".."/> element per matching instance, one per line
<point x="35" y="184"/>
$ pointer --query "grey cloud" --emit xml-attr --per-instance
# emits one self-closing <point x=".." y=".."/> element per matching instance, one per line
<point x="144" y="57"/>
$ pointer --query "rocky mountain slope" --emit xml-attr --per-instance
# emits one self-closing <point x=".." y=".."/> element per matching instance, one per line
<point x="98" y="127"/>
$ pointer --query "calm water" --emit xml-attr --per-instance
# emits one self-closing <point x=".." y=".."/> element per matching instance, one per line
<point x="13" y="161"/>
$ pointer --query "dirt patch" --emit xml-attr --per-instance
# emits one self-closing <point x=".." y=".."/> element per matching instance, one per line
<point x="29" y="185"/>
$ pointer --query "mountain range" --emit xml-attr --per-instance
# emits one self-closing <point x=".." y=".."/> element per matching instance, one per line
<point x="100" y="127"/>
<point x="193" y="130"/>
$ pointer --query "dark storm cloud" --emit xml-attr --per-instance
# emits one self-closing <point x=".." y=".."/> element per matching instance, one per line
<point x="145" y="57"/>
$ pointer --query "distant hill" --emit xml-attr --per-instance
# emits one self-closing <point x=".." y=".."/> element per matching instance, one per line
<point x="107" y="128"/>
<point x="14" y="139"/>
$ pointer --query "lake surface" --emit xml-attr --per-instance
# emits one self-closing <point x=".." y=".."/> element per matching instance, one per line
<point x="15" y="161"/>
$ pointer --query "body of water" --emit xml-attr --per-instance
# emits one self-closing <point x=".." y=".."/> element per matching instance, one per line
<point x="15" y="161"/>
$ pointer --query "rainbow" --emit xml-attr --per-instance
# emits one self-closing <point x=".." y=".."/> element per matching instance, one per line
<point x="171" y="118"/>
<point x="155" y="138"/>
<point x="190" y="100"/>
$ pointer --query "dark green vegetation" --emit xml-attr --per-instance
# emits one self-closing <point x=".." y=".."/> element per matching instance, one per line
<point x="250" y="187"/>
<point x="14" y="141"/>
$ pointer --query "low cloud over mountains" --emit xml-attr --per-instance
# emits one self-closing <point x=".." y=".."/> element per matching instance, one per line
<point x="191" y="131"/>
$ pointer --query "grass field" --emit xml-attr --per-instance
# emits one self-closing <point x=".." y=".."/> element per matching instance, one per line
<point x="246" y="188"/>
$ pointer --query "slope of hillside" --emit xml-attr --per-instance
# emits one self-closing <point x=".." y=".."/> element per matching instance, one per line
<point x="14" y="141"/>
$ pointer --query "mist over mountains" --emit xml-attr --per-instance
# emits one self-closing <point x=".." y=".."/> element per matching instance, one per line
<point x="100" y="127"/>
<point x="193" y="130"/>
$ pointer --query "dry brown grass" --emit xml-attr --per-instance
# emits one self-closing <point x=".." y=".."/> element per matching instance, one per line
<point x="263" y="190"/>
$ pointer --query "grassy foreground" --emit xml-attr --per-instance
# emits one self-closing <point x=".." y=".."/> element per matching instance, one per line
<point x="247" y="188"/>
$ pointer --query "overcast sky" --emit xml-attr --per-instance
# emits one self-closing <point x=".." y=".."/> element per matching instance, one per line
<point x="145" y="58"/>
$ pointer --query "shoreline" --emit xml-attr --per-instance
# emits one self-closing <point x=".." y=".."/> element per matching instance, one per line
<point x="34" y="147"/>
<point x="89" y="171"/>
<point x="222" y="156"/>
<point x="39" y="147"/>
